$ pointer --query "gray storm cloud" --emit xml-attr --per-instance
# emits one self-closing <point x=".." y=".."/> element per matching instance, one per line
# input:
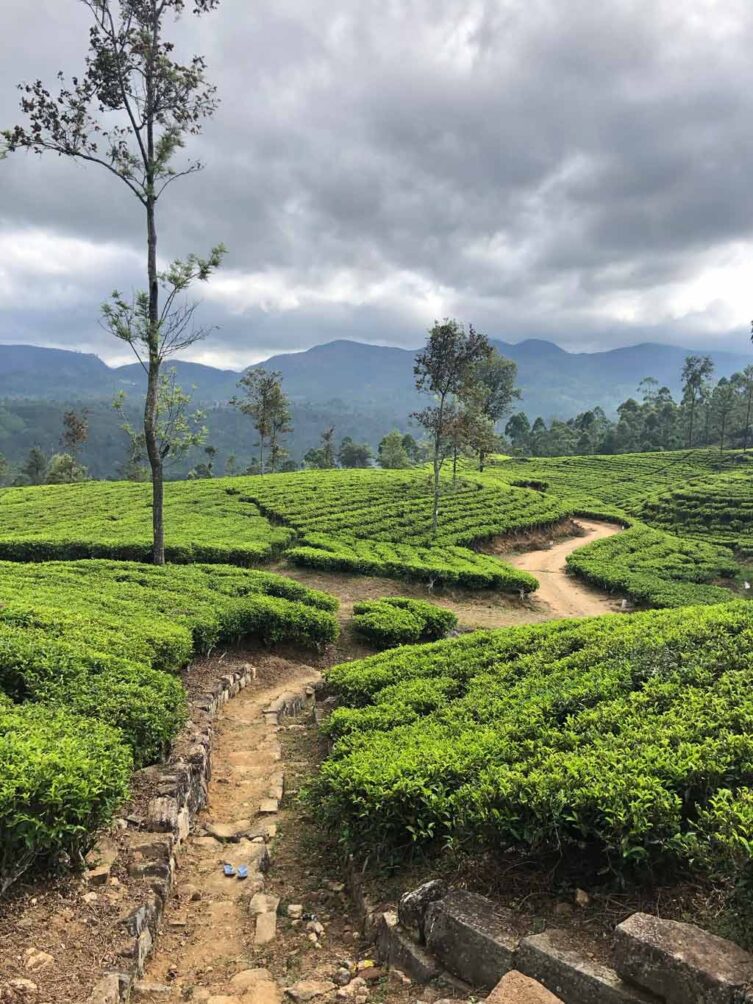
<point x="573" y="171"/>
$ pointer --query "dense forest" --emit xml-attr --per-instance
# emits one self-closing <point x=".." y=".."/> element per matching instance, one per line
<point x="33" y="436"/>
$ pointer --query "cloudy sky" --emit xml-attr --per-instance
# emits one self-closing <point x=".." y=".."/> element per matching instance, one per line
<point x="577" y="171"/>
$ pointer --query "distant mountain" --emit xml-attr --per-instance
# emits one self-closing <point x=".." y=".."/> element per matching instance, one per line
<point x="366" y="378"/>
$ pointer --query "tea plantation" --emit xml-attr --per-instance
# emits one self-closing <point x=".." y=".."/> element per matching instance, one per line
<point x="626" y="741"/>
<point x="626" y="736"/>
<point x="89" y="659"/>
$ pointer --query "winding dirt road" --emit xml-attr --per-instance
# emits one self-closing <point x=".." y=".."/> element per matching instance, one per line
<point x="563" y="594"/>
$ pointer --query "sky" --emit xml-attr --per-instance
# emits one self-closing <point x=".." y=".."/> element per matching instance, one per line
<point x="578" y="171"/>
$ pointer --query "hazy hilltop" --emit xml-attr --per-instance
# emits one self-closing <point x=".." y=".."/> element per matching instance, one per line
<point x="555" y="383"/>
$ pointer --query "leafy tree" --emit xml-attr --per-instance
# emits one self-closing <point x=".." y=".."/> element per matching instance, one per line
<point x="695" y="380"/>
<point x="34" y="471"/>
<point x="231" y="466"/>
<point x="130" y="111"/>
<point x="353" y="454"/>
<point x="4" y="469"/>
<point x="487" y="395"/>
<point x="267" y="406"/>
<point x="177" y="430"/>
<point x="323" y="458"/>
<point x="722" y="403"/>
<point x="75" y="431"/>
<point x="205" y="468"/>
<point x="64" y="469"/>
<point x="745" y="389"/>
<point x="393" y="453"/>
<point x="443" y="367"/>
<point x="518" y="431"/>
<point x="412" y="448"/>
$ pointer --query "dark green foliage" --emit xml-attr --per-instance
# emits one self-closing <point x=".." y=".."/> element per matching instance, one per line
<point x="611" y="738"/>
<point x="397" y="620"/>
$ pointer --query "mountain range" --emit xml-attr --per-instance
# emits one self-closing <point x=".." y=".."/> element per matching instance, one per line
<point x="554" y="382"/>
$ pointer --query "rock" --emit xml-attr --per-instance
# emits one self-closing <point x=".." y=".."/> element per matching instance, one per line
<point x="268" y="806"/>
<point x="309" y="990"/>
<point x="295" y="911"/>
<point x="229" y="831"/>
<point x="411" y="910"/>
<point x="266" y="928"/>
<point x="255" y="986"/>
<point x="471" y="937"/>
<point x="398" y="951"/>
<point x="515" y="988"/>
<point x="263" y="902"/>
<point x="35" y="960"/>
<point x="681" y="962"/>
<point x="333" y="886"/>
<point x="107" y="991"/>
<point x="560" y="963"/>
<point x="145" y="989"/>
<point x="315" y="927"/>
<point x="582" y="898"/>
<point x="90" y="897"/>
<point x="100" y="861"/>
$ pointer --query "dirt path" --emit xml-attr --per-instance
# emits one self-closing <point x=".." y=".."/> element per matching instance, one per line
<point x="560" y="593"/>
<point x="227" y="941"/>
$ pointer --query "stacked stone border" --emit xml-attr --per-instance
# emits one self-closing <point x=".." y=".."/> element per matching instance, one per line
<point x="441" y="931"/>
<point x="180" y="793"/>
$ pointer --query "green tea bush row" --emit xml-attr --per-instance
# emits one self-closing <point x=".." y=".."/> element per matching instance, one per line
<point x="62" y="778"/>
<point x="608" y="740"/>
<point x="89" y="653"/>
<point x="655" y="568"/>
<point x="397" y="620"/>
<point x="438" y="565"/>
<point x="205" y="520"/>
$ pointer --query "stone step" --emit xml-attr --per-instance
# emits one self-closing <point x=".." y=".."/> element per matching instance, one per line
<point x="515" y="988"/>
<point x="563" y="962"/>
<point x="472" y="937"/>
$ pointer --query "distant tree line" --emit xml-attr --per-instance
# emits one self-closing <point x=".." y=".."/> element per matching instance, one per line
<point x="709" y="413"/>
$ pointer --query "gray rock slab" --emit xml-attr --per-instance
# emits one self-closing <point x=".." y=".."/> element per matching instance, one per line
<point x="472" y="937"/>
<point x="411" y="910"/>
<point x="396" y="950"/>
<point x="562" y="964"/>
<point x="682" y="963"/>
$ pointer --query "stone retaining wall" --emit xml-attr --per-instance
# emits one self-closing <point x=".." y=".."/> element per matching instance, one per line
<point x="654" y="961"/>
<point x="180" y="793"/>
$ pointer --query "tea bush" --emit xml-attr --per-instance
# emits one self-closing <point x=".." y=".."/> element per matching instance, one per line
<point x="611" y="738"/>
<point x="397" y="620"/>
<point x="62" y="778"/>
<point x="89" y="653"/>
<point x="438" y="566"/>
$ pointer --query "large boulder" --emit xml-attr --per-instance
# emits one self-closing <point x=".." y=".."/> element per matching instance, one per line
<point x="682" y="963"/>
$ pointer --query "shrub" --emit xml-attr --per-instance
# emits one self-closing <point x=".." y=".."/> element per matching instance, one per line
<point x="62" y="778"/>
<point x="610" y="738"/>
<point x="400" y="621"/>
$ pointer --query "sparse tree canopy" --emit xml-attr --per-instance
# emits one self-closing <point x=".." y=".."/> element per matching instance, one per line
<point x="75" y="431"/>
<point x="443" y="369"/>
<point x="265" y="403"/>
<point x="130" y="111"/>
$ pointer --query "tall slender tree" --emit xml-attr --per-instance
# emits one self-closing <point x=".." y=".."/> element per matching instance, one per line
<point x="442" y="369"/>
<point x="696" y="374"/>
<point x="130" y="112"/>
<point x="267" y="406"/>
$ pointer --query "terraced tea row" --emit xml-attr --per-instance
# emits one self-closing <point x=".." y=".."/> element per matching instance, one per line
<point x="89" y="653"/>
<point x="624" y="741"/>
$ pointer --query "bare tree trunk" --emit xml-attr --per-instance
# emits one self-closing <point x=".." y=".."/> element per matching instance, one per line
<point x="150" y="407"/>
<point x="747" y="421"/>
<point x="454" y="466"/>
